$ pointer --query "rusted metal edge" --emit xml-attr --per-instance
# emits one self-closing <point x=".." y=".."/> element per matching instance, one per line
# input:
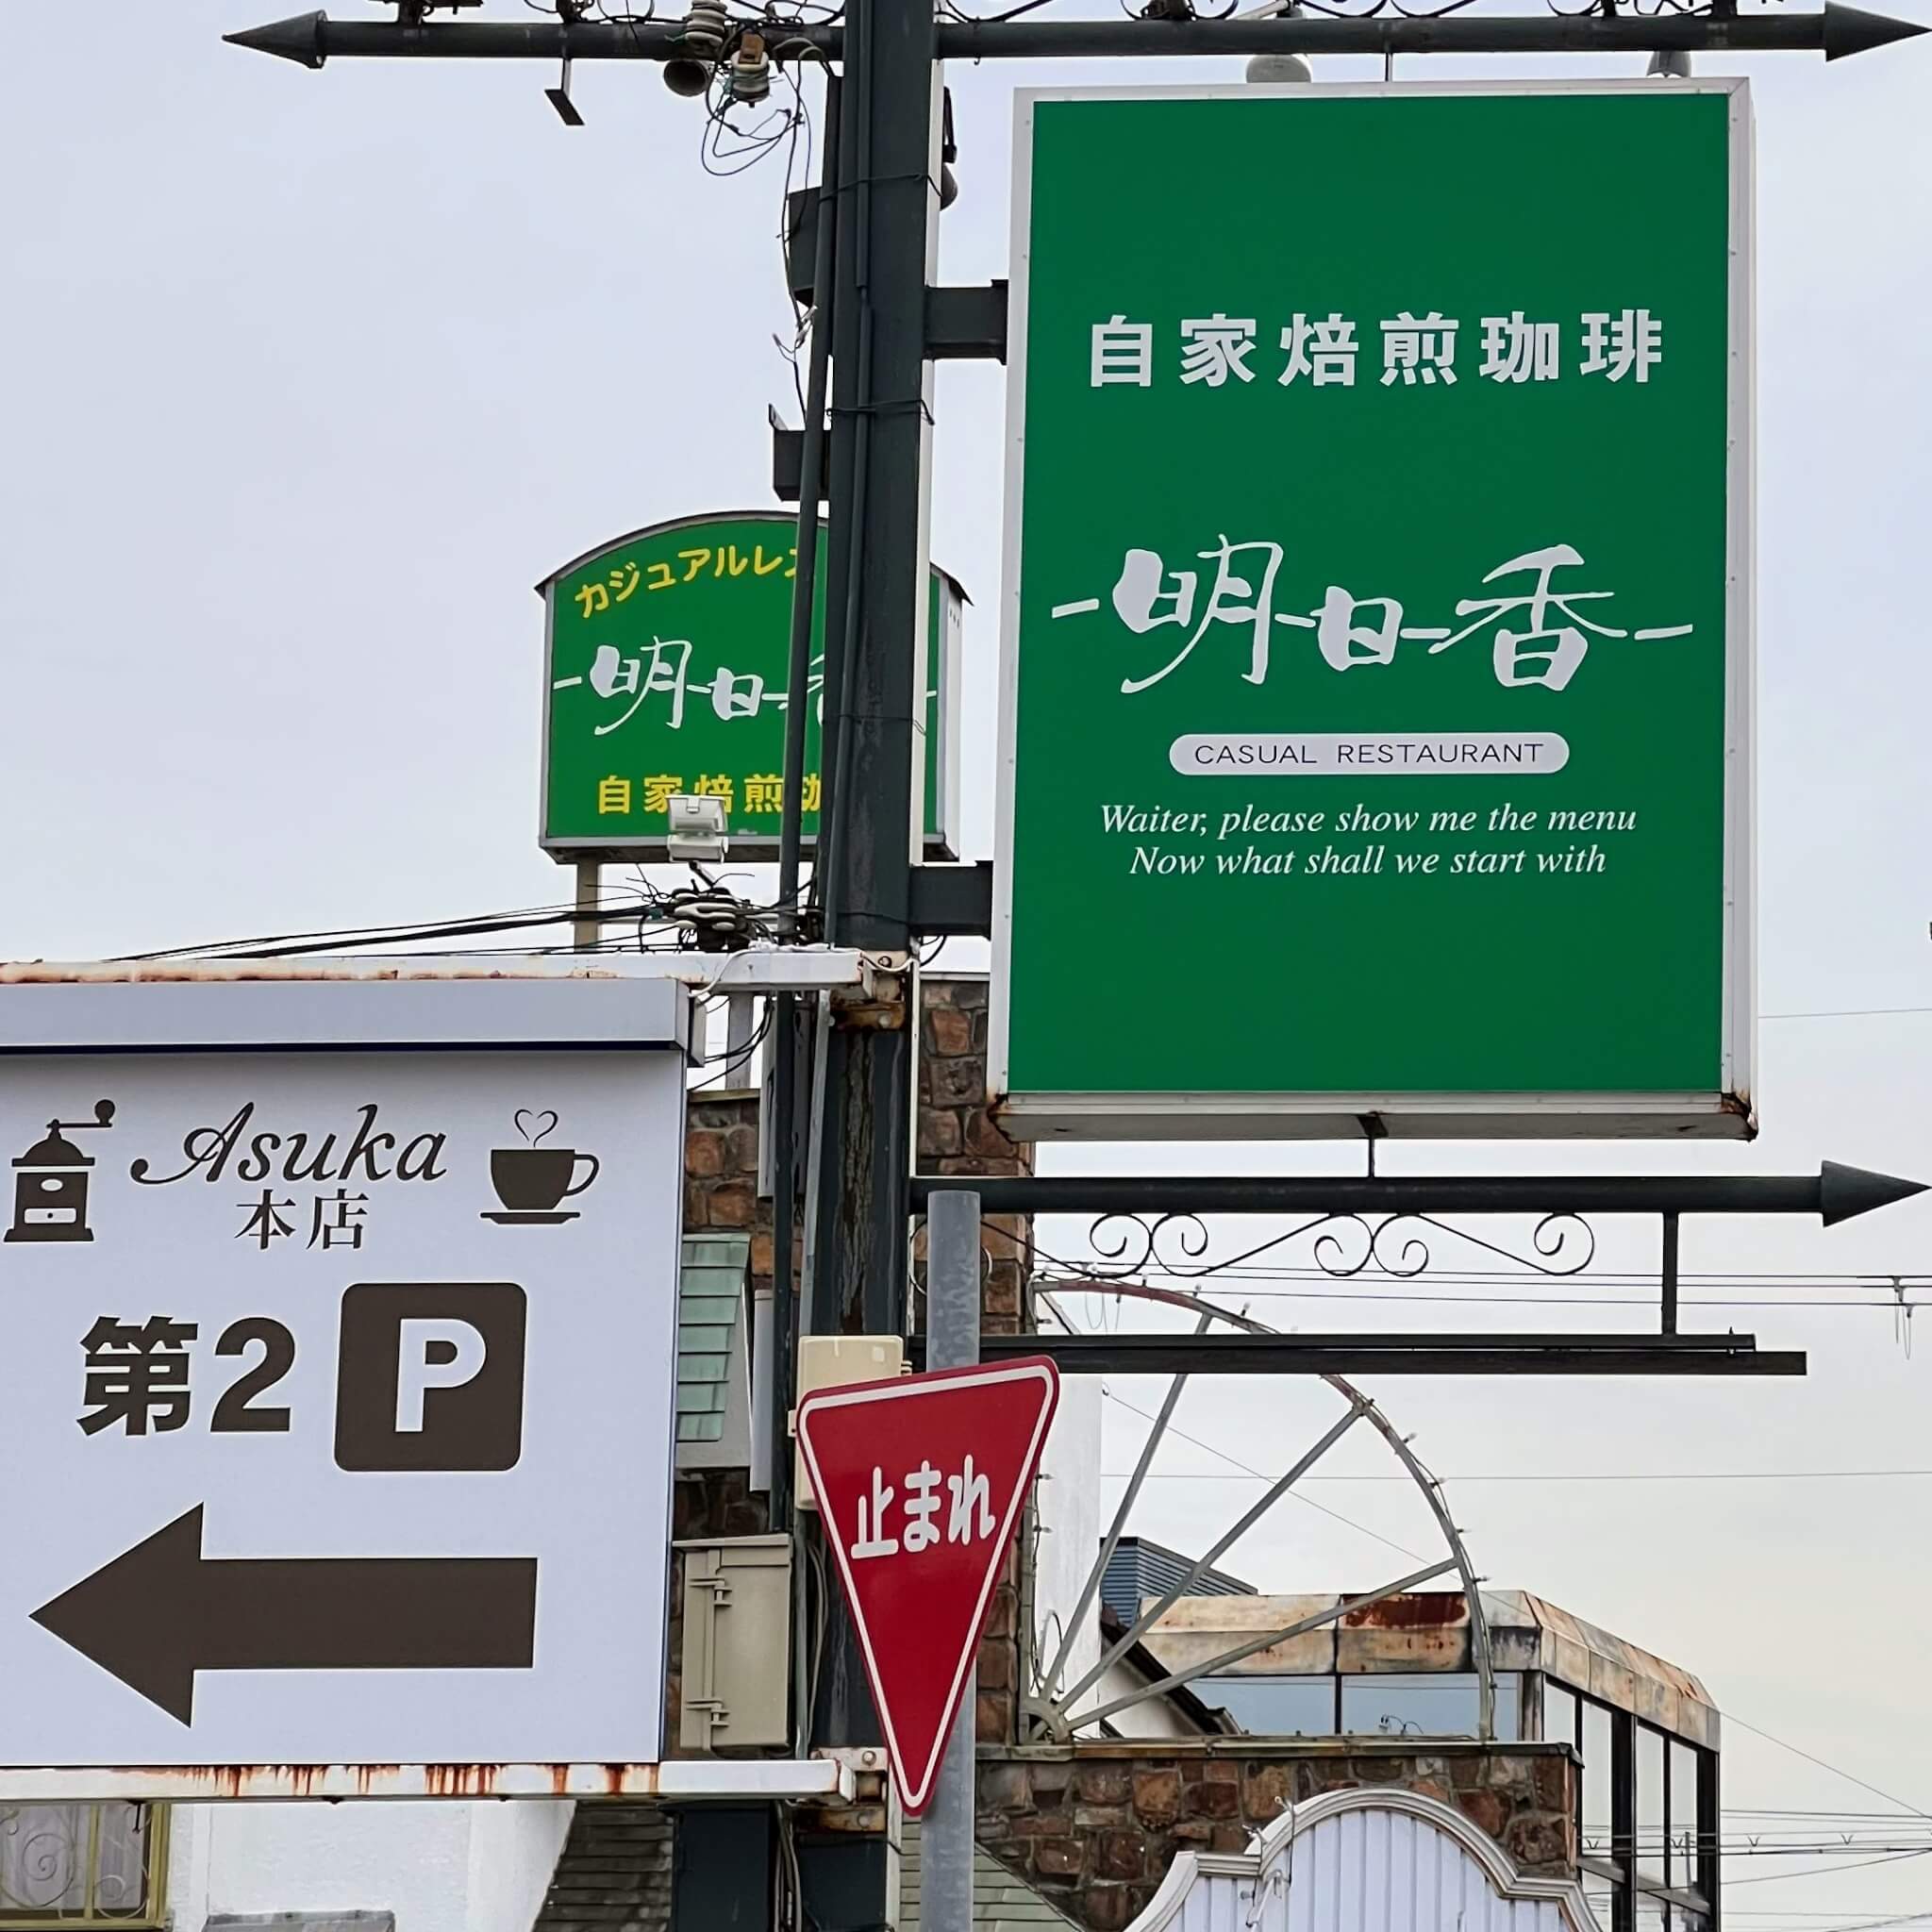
<point x="826" y="1780"/>
<point x="758" y="968"/>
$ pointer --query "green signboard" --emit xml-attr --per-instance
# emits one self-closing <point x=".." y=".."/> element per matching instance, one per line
<point x="1376" y="649"/>
<point x="666" y="672"/>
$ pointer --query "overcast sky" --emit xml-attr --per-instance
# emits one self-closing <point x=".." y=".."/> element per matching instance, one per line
<point x="309" y="377"/>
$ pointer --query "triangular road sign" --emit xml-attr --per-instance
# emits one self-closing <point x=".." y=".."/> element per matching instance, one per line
<point x="920" y="1482"/>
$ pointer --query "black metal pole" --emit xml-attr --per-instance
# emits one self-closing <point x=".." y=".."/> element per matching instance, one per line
<point x="1668" y="1274"/>
<point x="875" y="580"/>
<point x="1835" y="1193"/>
<point x="1835" y="31"/>
<point x="786" y="1085"/>
<point x="1443" y="1353"/>
<point x="810" y="491"/>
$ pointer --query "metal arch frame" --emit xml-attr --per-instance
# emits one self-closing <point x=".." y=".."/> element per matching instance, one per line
<point x="1051" y="1710"/>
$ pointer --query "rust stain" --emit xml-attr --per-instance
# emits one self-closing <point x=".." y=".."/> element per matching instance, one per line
<point x="333" y="1783"/>
<point x="226" y="972"/>
<point x="461" y="1781"/>
<point x="1422" y="1610"/>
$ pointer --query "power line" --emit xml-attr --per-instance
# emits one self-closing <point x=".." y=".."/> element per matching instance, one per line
<point x="1836" y="1771"/>
<point x="1856" y="1865"/>
<point x="1847" y="1013"/>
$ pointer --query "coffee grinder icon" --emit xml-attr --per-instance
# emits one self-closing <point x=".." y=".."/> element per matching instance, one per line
<point x="51" y="1181"/>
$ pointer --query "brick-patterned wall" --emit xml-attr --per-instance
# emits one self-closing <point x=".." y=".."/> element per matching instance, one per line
<point x="1095" y="1826"/>
<point x="957" y="1136"/>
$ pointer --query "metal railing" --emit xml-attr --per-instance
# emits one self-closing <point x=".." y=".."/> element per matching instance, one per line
<point x="86" y="1864"/>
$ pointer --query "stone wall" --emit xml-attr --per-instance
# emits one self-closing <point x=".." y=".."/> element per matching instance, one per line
<point x="1095" y="1826"/>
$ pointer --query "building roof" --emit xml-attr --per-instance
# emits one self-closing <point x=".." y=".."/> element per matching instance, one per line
<point x="1000" y="1902"/>
<point x="1430" y="1630"/>
<point x="1141" y="1568"/>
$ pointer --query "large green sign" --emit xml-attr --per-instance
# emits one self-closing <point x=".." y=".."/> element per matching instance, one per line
<point x="666" y="672"/>
<point x="1377" y="639"/>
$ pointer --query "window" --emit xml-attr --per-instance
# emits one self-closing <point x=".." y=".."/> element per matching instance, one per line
<point x="1683" y="1869"/>
<point x="1425" y="1704"/>
<point x="1651" y="1812"/>
<point x="1648" y="1816"/>
<point x="1409" y="1703"/>
<point x="83" y="1865"/>
<point x="1274" y="1706"/>
<point x="1559" y="1714"/>
<point x="1599" y="1782"/>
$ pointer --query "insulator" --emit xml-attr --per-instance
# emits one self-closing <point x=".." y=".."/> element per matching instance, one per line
<point x="706" y="28"/>
<point x="751" y="70"/>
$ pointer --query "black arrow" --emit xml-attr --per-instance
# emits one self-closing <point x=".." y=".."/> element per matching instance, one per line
<point x="161" y="1612"/>
<point x="1834" y="1193"/>
<point x="312" y="39"/>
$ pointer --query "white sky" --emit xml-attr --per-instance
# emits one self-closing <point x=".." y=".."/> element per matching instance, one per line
<point x="309" y="377"/>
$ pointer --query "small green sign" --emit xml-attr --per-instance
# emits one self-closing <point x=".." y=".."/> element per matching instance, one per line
<point x="1376" y="661"/>
<point x="666" y="672"/>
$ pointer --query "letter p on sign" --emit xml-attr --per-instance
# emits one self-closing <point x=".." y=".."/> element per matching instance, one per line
<point x="433" y="1353"/>
<point x="430" y="1376"/>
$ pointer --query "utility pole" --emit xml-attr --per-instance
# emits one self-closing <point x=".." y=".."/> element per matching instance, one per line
<point x="886" y="176"/>
<point x="885" y="173"/>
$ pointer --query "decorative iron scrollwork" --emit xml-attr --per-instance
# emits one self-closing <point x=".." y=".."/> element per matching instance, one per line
<point x="1395" y="1246"/>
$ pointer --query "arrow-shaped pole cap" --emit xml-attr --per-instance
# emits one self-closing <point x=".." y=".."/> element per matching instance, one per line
<point x="300" y="38"/>
<point x="1843" y="1192"/>
<point x="1852" y="30"/>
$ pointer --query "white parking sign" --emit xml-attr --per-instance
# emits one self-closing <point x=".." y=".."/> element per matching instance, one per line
<point x="341" y="1339"/>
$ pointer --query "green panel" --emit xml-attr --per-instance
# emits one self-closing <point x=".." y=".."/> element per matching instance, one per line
<point x="666" y="672"/>
<point x="715" y="1309"/>
<point x="1548" y="954"/>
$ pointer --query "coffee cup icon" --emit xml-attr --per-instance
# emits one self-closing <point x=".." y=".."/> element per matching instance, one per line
<point x="534" y="1181"/>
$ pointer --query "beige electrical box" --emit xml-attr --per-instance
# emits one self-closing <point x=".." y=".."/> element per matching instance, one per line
<point x="832" y="1361"/>
<point x="735" y="1663"/>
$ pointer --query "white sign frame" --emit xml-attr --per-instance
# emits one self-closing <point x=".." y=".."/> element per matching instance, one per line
<point x="619" y="1039"/>
<point x="1729" y="1112"/>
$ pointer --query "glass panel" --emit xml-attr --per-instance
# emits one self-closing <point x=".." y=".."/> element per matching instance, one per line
<point x="1650" y="1803"/>
<point x="1602" y="1903"/>
<point x="1683" y="1861"/>
<point x="1559" y="1714"/>
<point x="1651" y="1915"/>
<point x="1274" y="1706"/>
<point x="1409" y="1705"/>
<point x="1597" y="1776"/>
<point x="1509" y="1705"/>
<point x="1427" y="1704"/>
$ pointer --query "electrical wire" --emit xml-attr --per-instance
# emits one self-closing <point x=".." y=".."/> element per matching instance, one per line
<point x="706" y="905"/>
<point x="1836" y="1771"/>
<point x="1856" y="1865"/>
